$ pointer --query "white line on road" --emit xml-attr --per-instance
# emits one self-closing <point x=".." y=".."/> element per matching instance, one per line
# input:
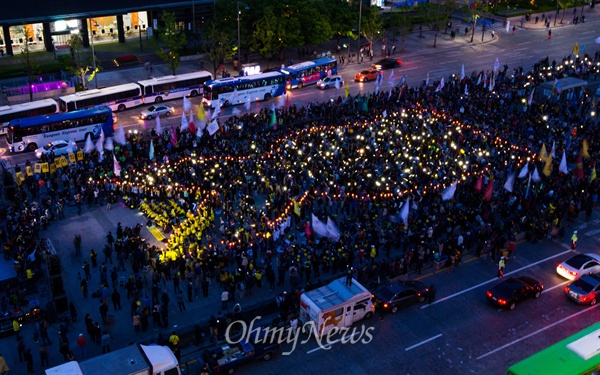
<point x="520" y="44"/>
<point x="521" y="49"/>
<point x="416" y="67"/>
<point x="326" y="346"/>
<point x="447" y="61"/>
<point x="423" y="342"/>
<point x="536" y="332"/>
<point x="492" y="280"/>
<point x="558" y="285"/>
<point x="592" y="232"/>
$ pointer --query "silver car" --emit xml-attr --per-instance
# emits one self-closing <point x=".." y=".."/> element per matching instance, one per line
<point x="331" y="81"/>
<point x="155" y="110"/>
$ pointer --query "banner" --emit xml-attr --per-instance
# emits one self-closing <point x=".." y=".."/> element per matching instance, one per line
<point x="79" y="155"/>
<point x="37" y="168"/>
<point x="45" y="167"/>
<point x="29" y="171"/>
<point x="72" y="158"/>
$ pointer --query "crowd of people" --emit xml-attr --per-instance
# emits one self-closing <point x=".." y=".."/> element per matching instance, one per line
<point x="403" y="176"/>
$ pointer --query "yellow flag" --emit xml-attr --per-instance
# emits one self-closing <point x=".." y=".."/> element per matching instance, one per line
<point x="548" y="167"/>
<point x="584" y="149"/>
<point x="576" y="49"/>
<point x="346" y="90"/>
<point x="201" y="113"/>
<point x="296" y="208"/>
<point x="543" y="152"/>
<point x="593" y="175"/>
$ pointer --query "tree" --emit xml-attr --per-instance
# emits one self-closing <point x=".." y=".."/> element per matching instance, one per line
<point x="315" y="29"/>
<point x="401" y="25"/>
<point x="219" y="45"/>
<point x="29" y="62"/>
<point x="564" y="4"/>
<point x="372" y="26"/>
<point x="81" y="62"/>
<point x="173" y="38"/>
<point x="267" y="35"/>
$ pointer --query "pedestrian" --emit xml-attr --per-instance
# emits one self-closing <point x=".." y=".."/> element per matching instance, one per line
<point x="105" y="342"/>
<point x="431" y="294"/>
<point x="136" y="321"/>
<point x="110" y="240"/>
<point x="224" y="299"/>
<point x="21" y="348"/>
<point x="501" y="265"/>
<point x="44" y="332"/>
<point x="349" y="274"/>
<point x="4" y="369"/>
<point x="77" y="245"/>
<point x="81" y="342"/>
<point x="173" y="340"/>
<point x="84" y="288"/>
<point x="94" y="258"/>
<point x="103" y="311"/>
<point x="86" y="270"/>
<point x="198" y="335"/>
<point x="29" y="359"/>
<point x="116" y="299"/>
<point x="44" y="355"/>
<point x="190" y="290"/>
<point x="180" y="301"/>
<point x="17" y="328"/>
<point x="549" y="34"/>
<point x="513" y="29"/>
<point x="493" y="34"/>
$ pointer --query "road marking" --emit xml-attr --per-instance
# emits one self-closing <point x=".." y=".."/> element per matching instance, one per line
<point x="416" y="67"/>
<point x="521" y="44"/>
<point x="326" y="346"/>
<point x="449" y="61"/>
<point x="423" y="342"/>
<point x="558" y="285"/>
<point x="592" y="232"/>
<point x="536" y="332"/>
<point x="494" y="279"/>
<point x="521" y="49"/>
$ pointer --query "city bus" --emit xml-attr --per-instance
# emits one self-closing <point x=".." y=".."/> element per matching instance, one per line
<point x="576" y="355"/>
<point x="118" y="98"/>
<point x="35" y="108"/>
<point x="30" y="133"/>
<point x="238" y="90"/>
<point x="309" y="72"/>
<point x="159" y="89"/>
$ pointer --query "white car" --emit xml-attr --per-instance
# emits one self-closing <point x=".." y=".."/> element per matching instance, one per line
<point x="578" y="265"/>
<point x="155" y="110"/>
<point x="60" y="147"/>
<point x="331" y="81"/>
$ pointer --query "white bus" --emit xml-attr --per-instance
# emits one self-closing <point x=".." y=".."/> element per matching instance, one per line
<point x="15" y="111"/>
<point x="158" y="89"/>
<point x="238" y="90"/>
<point x="118" y="98"/>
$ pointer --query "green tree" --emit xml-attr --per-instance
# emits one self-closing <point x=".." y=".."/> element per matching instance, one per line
<point x="32" y="68"/>
<point x="267" y="35"/>
<point x="401" y="25"/>
<point x="81" y="62"/>
<point x="219" y="45"/>
<point x="372" y="26"/>
<point x="564" y="5"/>
<point x="173" y="38"/>
<point x="315" y="28"/>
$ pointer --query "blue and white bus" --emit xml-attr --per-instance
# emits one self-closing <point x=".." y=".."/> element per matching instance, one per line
<point x="35" y="108"/>
<point x="159" y="89"/>
<point x="30" y="133"/>
<point x="309" y="72"/>
<point x="118" y="98"/>
<point x="239" y="90"/>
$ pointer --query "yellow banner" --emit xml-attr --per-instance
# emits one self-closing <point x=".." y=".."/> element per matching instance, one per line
<point x="72" y="158"/>
<point x="29" y="170"/>
<point x="52" y="168"/>
<point x="37" y="167"/>
<point x="79" y="155"/>
<point x="20" y="177"/>
<point x="62" y="162"/>
<point x="45" y="168"/>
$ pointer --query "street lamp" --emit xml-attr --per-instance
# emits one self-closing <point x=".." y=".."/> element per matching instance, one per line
<point x="93" y="53"/>
<point x="239" y="13"/>
<point x="359" y="22"/>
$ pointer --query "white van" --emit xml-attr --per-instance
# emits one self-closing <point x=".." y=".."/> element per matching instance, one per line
<point x="335" y="305"/>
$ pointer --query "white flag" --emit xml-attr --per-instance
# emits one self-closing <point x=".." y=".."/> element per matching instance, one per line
<point x="384" y="114"/>
<point x="427" y="80"/>
<point x="117" y="167"/>
<point x="281" y="102"/>
<point x="235" y="111"/>
<point x="531" y="97"/>
<point x="247" y="104"/>
<point x="120" y="135"/>
<point x="563" y="164"/>
<point x="462" y="72"/>
<point x="89" y="145"/>
<point x="404" y="211"/>
<point x="184" y="123"/>
<point x="216" y="112"/>
<point x="318" y="226"/>
<point x="496" y="65"/>
<point x="333" y="233"/>
<point x="158" y="129"/>
<point x="234" y="97"/>
<point x="478" y="80"/>
<point x="109" y="145"/>
<point x="448" y="192"/>
<point x="524" y="171"/>
<point x="510" y="182"/>
<point x="535" y="176"/>
<point x="467" y="90"/>
<point x="100" y="143"/>
<point x="187" y="105"/>
<point x="440" y="85"/>
<point x="553" y="152"/>
<point x="213" y="127"/>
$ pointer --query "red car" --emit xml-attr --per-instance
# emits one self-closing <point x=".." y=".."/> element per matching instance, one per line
<point x="367" y="75"/>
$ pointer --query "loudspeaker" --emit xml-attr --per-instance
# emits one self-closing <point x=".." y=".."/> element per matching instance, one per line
<point x="61" y="304"/>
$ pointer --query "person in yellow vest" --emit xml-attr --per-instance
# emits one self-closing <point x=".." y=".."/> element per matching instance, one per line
<point x="173" y="340"/>
<point x="17" y="328"/>
<point x="373" y="254"/>
<point x="258" y="275"/>
<point x="4" y="369"/>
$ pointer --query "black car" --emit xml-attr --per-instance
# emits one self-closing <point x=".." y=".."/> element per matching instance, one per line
<point x="388" y="63"/>
<point x="400" y="294"/>
<point x="509" y="291"/>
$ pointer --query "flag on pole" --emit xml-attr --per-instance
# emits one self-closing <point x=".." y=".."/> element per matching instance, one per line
<point x="496" y="65"/>
<point x="579" y="168"/>
<point x="297" y="209"/>
<point x="563" y="164"/>
<point x="234" y="97"/>
<point x="547" y="171"/>
<point x="584" y="149"/>
<point x="273" y="120"/>
<point x="187" y="105"/>
<point x="440" y="86"/>
<point x="158" y="128"/>
<point x="391" y="79"/>
<point x="213" y="127"/>
<point x="404" y="211"/>
<point x="151" y="152"/>
<point x="593" y="175"/>
<point x="120" y="135"/>
<point x="467" y="90"/>
<point x="100" y="143"/>
<point x="379" y="79"/>
<point x="89" y="145"/>
<point x="184" y="123"/>
<point x="427" y="80"/>
<point x="524" y="171"/>
<point x="553" y="150"/>
<point x="281" y="101"/>
<point x="528" y="185"/>
<point x="333" y="233"/>
<point x="216" y="112"/>
<point x="479" y="79"/>
<point x="109" y="145"/>
<point x="576" y="49"/>
<point x="191" y="124"/>
<point x="338" y="84"/>
<point x="535" y="175"/>
<point x="530" y="100"/>
<point x="247" y="103"/>
<point x="543" y="152"/>
<point x="116" y="166"/>
<point x="510" y="182"/>
<point x="201" y="113"/>
<point x="479" y="183"/>
<point x="173" y="136"/>
<point x="462" y="72"/>
<point x="365" y="103"/>
<point x="448" y="192"/>
<point x="318" y="226"/>
<point x="346" y="91"/>
<point x="489" y="190"/>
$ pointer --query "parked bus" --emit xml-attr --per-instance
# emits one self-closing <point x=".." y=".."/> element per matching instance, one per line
<point x="15" y="111"/>
<point x="575" y="355"/>
<point x="118" y="98"/>
<point x="32" y="132"/>
<point x="565" y="89"/>
<point x="158" y="89"/>
<point x="309" y="72"/>
<point x="239" y="90"/>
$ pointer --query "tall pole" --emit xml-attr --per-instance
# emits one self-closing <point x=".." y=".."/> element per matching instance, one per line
<point x="359" y="21"/>
<point x="239" y="48"/>
<point x="140" y="30"/>
<point x="193" y="15"/>
<point x="93" y="53"/>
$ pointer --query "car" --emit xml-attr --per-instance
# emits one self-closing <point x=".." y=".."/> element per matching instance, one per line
<point x="578" y="265"/>
<point x="155" y="110"/>
<point x="366" y="75"/>
<point x="509" y="291"/>
<point x="331" y="81"/>
<point x="400" y="294"/>
<point x="585" y="290"/>
<point x="387" y="63"/>
<point x="59" y="147"/>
